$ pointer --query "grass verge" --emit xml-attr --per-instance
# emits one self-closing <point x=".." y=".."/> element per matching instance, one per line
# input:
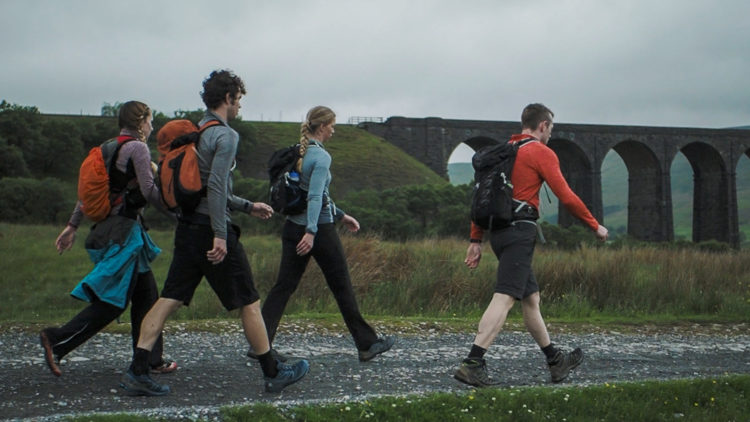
<point x="710" y="399"/>
<point x="718" y="399"/>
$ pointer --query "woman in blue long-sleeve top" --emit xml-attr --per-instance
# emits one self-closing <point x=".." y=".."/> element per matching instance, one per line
<point x="313" y="233"/>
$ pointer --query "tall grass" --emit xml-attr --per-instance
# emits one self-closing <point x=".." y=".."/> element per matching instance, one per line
<point x="416" y="278"/>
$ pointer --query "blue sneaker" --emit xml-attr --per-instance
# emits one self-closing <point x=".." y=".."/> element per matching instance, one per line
<point x="142" y="385"/>
<point x="288" y="374"/>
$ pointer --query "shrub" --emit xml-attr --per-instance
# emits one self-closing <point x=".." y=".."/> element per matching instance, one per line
<point x="34" y="201"/>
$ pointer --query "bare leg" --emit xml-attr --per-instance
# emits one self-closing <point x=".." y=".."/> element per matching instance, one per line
<point x="153" y="322"/>
<point x="493" y="319"/>
<point x="532" y="317"/>
<point x="255" y="328"/>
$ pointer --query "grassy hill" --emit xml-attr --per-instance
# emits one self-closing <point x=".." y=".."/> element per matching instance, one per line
<point x="615" y="193"/>
<point x="360" y="160"/>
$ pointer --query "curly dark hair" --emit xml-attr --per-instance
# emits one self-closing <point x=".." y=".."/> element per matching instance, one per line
<point x="218" y="84"/>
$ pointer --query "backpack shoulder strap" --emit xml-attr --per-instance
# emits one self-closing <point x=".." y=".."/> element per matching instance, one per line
<point x="525" y="141"/>
<point x="208" y="124"/>
<point x="111" y="149"/>
<point x="204" y="126"/>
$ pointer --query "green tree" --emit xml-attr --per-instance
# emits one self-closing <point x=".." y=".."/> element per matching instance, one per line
<point x="111" y="110"/>
<point x="21" y="127"/>
<point x="60" y="149"/>
<point x="193" y="115"/>
<point x="11" y="161"/>
<point x="34" y="201"/>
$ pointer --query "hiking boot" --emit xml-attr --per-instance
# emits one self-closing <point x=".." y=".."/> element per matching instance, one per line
<point x="276" y="355"/>
<point x="49" y="355"/>
<point x="288" y="374"/>
<point x="142" y="385"/>
<point x="473" y="371"/>
<point x="382" y="345"/>
<point x="561" y="365"/>
<point x="165" y="367"/>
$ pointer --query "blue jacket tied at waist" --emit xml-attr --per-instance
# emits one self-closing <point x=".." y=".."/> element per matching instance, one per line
<point x="123" y="254"/>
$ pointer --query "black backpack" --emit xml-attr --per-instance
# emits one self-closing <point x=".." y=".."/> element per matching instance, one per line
<point x="286" y="195"/>
<point x="492" y="199"/>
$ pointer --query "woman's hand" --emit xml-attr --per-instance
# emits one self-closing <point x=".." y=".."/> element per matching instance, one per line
<point x="66" y="239"/>
<point x="351" y="223"/>
<point x="306" y="244"/>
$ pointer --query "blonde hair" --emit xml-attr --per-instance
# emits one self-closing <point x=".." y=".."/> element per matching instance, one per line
<point x="316" y="117"/>
<point x="132" y="114"/>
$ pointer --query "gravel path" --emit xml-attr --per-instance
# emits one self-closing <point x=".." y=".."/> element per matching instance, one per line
<point x="214" y="371"/>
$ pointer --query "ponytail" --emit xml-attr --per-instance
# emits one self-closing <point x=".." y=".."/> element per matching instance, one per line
<point x="317" y="116"/>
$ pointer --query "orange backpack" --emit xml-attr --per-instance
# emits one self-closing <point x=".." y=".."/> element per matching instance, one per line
<point x="178" y="176"/>
<point x="95" y="190"/>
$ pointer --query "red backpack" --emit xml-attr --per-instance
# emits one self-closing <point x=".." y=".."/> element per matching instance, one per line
<point x="95" y="188"/>
<point x="178" y="176"/>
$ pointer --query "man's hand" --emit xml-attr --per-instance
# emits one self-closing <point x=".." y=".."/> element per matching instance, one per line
<point x="602" y="233"/>
<point x="473" y="255"/>
<point x="219" y="252"/>
<point x="261" y="210"/>
<point x="66" y="239"/>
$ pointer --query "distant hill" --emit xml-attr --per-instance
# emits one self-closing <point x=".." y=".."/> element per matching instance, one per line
<point x="460" y="173"/>
<point x="615" y="193"/>
<point x="360" y="159"/>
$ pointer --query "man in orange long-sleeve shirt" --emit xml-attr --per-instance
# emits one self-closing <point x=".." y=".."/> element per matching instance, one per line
<point x="514" y="247"/>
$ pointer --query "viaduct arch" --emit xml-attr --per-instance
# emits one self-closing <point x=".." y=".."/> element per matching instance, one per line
<point x="647" y="152"/>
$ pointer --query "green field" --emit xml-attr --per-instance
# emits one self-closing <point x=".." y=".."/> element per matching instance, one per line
<point x="415" y="279"/>
<point x="425" y="280"/>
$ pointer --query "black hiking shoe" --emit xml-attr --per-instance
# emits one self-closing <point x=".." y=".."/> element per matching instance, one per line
<point x="561" y="365"/>
<point x="288" y="374"/>
<point x="142" y="385"/>
<point x="473" y="371"/>
<point x="382" y="345"/>
<point x="276" y="355"/>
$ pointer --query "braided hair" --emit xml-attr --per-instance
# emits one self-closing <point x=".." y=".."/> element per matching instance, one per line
<point x="131" y="115"/>
<point x="316" y="117"/>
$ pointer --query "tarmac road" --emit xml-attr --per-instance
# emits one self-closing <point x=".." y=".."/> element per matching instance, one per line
<point x="214" y="371"/>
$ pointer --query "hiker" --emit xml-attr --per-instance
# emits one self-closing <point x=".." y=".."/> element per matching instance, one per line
<point x="207" y="244"/>
<point x="313" y="233"/>
<point x="514" y="247"/>
<point x="120" y="249"/>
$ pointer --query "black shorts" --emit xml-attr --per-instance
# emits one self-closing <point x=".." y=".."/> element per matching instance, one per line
<point x="232" y="279"/>
<point x="514" y="248"/>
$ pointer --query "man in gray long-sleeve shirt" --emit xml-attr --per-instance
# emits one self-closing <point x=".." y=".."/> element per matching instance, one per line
<point x="207" y="244"/>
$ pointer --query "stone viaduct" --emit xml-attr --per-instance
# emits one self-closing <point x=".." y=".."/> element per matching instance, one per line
<point x="646" y="151"/>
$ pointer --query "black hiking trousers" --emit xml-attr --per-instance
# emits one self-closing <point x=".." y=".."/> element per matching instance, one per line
<point x="142" y="294"/>
<point x="329" y="254"/>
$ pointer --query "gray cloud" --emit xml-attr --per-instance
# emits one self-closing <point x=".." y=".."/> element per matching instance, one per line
<point x="670" y="63"/>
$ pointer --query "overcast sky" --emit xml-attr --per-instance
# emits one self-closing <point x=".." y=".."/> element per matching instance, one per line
<point x="650" y="62"/>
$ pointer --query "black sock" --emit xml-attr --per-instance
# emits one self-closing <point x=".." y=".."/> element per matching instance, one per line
<point x="139" y="366"/>
<point x="477" y="352"/>
<point x="550" y="351"/>
<point x="268" y="364"/>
